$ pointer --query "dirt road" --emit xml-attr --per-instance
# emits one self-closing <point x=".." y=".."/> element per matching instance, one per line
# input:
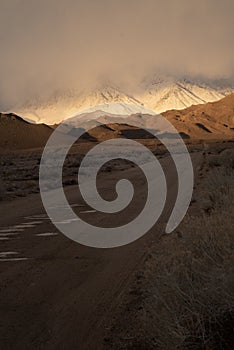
<point x="55" y="293"/>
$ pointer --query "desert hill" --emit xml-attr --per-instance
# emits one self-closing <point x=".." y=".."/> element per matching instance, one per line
<point x="16" y="133"/>
<point x="210" y="120"/>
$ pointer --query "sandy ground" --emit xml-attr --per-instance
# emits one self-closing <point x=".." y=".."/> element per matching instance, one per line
<point x="55" y="293"/>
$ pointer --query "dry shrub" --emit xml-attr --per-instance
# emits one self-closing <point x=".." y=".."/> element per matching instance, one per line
<point x="183" y="297"/>
<point x="190" y="280"/>
<point x="191" y="289"/>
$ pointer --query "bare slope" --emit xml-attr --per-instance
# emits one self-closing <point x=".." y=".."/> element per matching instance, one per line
<point x="212" y="120"/>
<point x="16" y="133"/>
<point x="207" y="121"/>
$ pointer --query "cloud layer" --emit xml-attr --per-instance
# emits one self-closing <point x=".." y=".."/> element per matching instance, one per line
<point x="52" y="45"/>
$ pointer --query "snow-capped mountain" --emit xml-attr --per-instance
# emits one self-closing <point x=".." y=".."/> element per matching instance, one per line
<point x="113" y="108"/>
<point x="64" y="106"/>
<point x="117" y="112"/>
<point x="212" y="120"/>
<point x="156" y="94"/>
<point x="166" y="93"/>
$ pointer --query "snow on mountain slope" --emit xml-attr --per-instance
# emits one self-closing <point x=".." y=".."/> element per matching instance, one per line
<point x="162" y="94"/>
<point x="213" y="120"/>
<point x="158" y="94"/>
<point x="115" y="111"/>
<point x="114" y="108"/>
<point x="62" y="107"/>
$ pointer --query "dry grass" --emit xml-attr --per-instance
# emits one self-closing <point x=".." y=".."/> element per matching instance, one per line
<point x="187" y="289"/>
<point x="191" y="279"/>
<point x="191" y="290"/>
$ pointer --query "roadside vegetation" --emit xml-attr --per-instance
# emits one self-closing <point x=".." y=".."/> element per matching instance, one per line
<point x="183" y="297"/>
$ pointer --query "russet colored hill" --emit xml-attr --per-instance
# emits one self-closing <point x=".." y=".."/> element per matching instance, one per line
<point x="211" y="121"/>
<point x="16" y="133"/>
<point x="214" y="120"/>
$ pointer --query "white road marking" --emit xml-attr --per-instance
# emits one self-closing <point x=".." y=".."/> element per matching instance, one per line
<point x="5" y="254"/>
<point x="11" y="230"/>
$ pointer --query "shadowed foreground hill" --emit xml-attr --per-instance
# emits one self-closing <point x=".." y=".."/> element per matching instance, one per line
<point x="16" y="133"/>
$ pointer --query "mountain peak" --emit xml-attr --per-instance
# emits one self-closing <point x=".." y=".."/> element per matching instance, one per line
<point x="158" y="94"/>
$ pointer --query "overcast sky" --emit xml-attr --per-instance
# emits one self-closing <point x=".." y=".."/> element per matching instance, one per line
<point x="59" y="44"/>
